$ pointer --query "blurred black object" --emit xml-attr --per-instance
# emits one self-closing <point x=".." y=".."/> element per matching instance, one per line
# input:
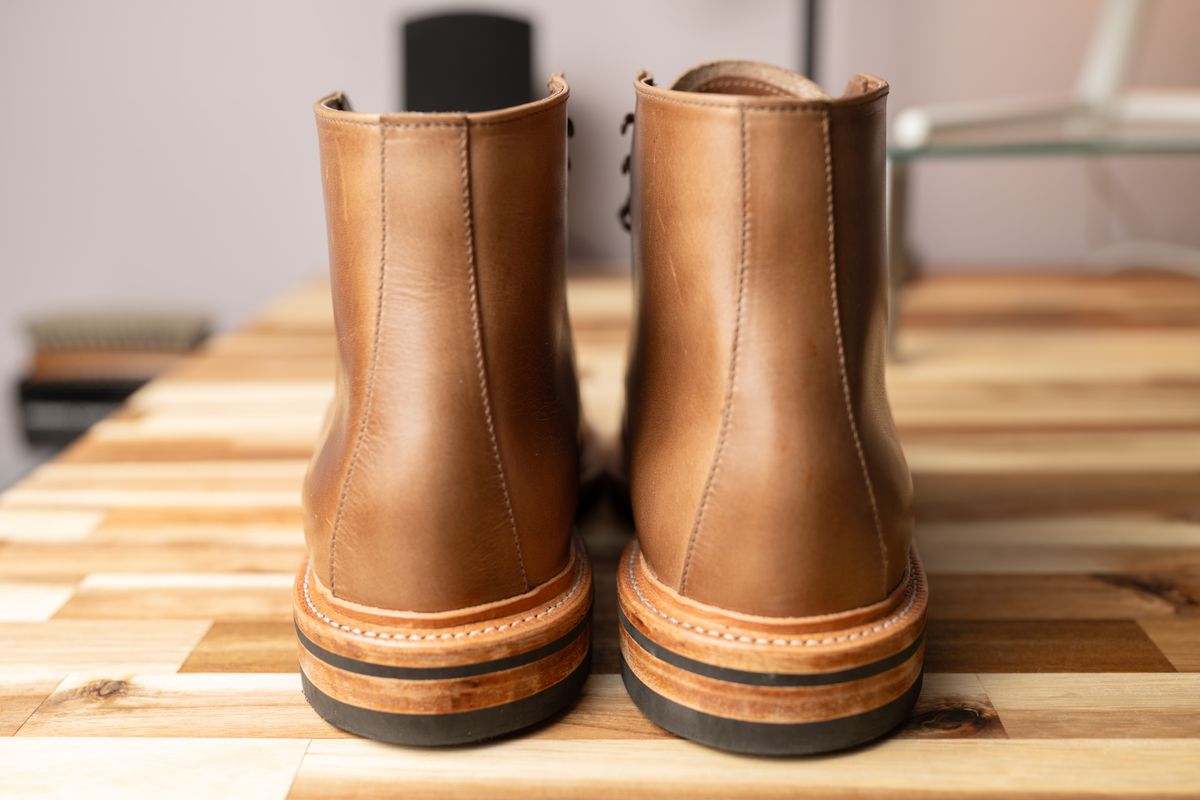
<point x="812" y="23"/>
<point x="55" y="413"/>
<point x="466" y="62"/>
<point x="84" y="365"/>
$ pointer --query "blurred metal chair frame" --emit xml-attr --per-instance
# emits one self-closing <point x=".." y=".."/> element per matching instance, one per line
<point x="1103" y="117"/>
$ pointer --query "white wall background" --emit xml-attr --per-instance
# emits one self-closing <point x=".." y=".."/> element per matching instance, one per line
<point x="163" y="153"/>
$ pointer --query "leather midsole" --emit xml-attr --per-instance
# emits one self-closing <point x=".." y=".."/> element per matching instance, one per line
<point x="440" y="673"/>
<point x="447" y="695"/>
<point x="767" y="678"/>
<point x="708" y="642"/>
<point x="407" y="650"/>
<point x="780" y="704"/>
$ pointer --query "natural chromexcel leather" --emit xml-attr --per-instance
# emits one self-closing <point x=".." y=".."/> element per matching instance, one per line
<point x="766" y="476"/>
<point x="447" y="467"/>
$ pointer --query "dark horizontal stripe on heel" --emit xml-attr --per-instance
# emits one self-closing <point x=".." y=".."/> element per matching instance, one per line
<point x="463" y="727"/>
<point x="441" y="673"/>
<point x="767" y="678"/>
<point x="769" y="738"/>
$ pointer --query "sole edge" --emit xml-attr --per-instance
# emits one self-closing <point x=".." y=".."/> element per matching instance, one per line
<point x="459" y="728"/>
<point x="770" y="738"/>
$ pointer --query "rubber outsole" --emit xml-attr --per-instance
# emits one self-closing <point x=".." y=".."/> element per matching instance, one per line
<point x="770" y="739"/>
<point x="450" y="678"/>
<point x="439" y="730"/>
<point x="770" y="685"/>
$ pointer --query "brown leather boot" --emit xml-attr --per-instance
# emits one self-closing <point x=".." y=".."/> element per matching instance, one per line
<point x="444" y="598"/>
<point x="772" y="603"/>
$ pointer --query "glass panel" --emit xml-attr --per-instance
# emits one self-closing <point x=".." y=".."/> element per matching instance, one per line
<point x="1081" y="134"/>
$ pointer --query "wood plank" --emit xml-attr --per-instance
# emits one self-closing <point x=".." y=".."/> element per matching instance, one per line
<point x="1082" y="646"/>
<point x="238" y="527"/>
<point x="1097" y="706"/>
<point x="251" y="706"/>
<point x="1072" y="544"/>
<point x="61" y="646"/>
<point x="1060" y="453"/>
<point x="176" y="768"/>
<point x="667" y="768"/>
<point x="108" y="498"/>
<point x="953" y="706"/>
<point x="1178" y="639"/>
<point x="32" y="601"/>
<point x="1041" y="299"/>
<point x="173" y="394"/>
<point x="20" y="695"/>
<point x="1032" y="355"/>
<point x="212" y="596"/>
<point x="1065" y="597"/>
<point x="924" y="406"/>
<point x="949" y="496"/>
<point x="115" y="450"/>
<point x="46" y="525"/>
<point x="171" y="476"/>
<point x="48" y="562"/>
<point x="241" y="646"/>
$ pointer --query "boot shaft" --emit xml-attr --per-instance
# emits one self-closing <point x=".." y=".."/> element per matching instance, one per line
<point x="446" y="472"/>
<point x="765" y="470"/>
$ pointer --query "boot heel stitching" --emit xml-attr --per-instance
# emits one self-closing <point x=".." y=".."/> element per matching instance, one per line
<point x="370" y="391"/>
<point x="735" y="353"/>
<point x="841" y="350"/>
<point x="414" y="637"/>
<point x="485" y="394"/>
<point x="906" y="609"/>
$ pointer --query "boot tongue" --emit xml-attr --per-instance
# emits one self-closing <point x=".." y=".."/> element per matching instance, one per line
<point x="748" y="78"/>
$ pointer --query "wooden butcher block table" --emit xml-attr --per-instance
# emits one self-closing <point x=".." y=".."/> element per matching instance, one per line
<point x="1053" y="429"/>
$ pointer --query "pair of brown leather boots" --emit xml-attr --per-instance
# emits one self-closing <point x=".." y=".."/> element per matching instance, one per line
<point x="771" y="602"/>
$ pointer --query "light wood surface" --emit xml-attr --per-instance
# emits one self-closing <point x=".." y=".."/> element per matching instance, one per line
<point x="1053" y="427"/>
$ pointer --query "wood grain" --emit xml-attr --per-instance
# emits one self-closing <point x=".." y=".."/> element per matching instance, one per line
<point x="1053" y="427"/>
<point x="668" y="768"/>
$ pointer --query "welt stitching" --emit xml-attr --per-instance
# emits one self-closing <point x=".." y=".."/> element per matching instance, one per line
<point x="485" y="394"/>
<point x="456" y="635"/>
<point x="841" y="350"/>
<point x="735" y="351"/>
<point x="862" y="633"/>
<point x="370" y="391"/>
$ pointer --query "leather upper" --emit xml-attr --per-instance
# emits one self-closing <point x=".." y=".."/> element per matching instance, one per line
<point x="765" y="472"/>
<point x="447" y="467"/>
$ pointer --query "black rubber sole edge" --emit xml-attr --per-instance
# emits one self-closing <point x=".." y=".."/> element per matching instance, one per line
<point x="769" y="738"/>
<point x="463" y="727"/>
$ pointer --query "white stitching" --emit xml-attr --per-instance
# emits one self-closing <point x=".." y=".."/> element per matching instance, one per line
<point x="369" y="396"/>
<point x="735" y="351"/>
<point x="485" y="392"/>
<point x="457" y="635"/>
<point x="835" y="303"/>
<point x="910" y="602"/>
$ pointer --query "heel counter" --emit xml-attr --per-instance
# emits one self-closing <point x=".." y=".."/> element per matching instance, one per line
<point x="423" y="518"/>
<point x="791" y="525"/>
